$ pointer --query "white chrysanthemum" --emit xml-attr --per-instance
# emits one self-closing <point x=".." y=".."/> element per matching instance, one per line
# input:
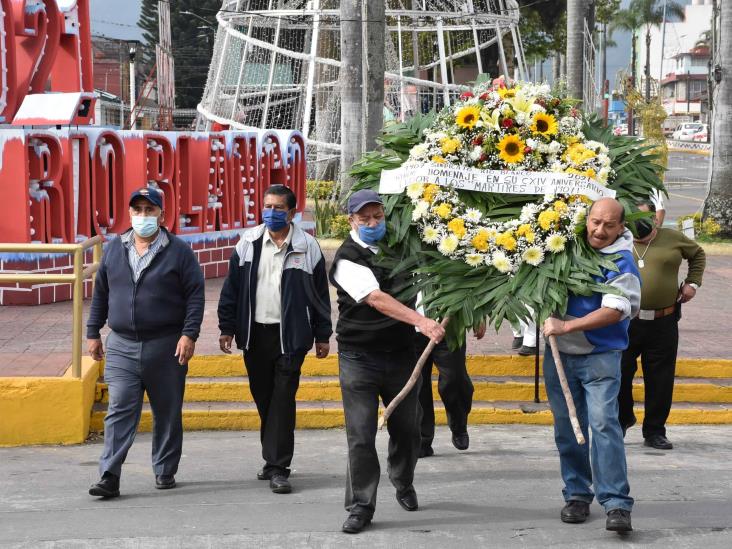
<point x="419" y="151"/>
<point x="505" y="108"/>
<point x="474" y="259"/>
<point x="594" y="145"/>
<point x="415" y="190"/>
<point x="579" y="216"/>
<point x="521" y="118"/>
<point x="537" y="108"/>
<point x="555" y="242"/>
<point x="533" y="143"/>
<point x="475" y="154"/>
<point x="448" y="244"/>
<point x="555" y="147"/>
<point x="556" y="167"/>
<point x="603" y="159"/>
<point x="430" y="234"/>
<point x="528" y="212"/>
<point x="472" y="215"/>
<point x="501" y="262"/>
<point x="421" y="209"/>
<point x="533" y="255"/>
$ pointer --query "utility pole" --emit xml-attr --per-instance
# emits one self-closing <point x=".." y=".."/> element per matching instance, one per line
<point x="133" y="86"/>
<point x="351" y="84"/>
<point x="376" y="66"/>
<point x="165" y="67"/>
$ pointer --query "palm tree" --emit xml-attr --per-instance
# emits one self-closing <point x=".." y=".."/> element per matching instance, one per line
<point x="576" y="10"/>
<point x="605" y="11"/>
<point x="718" y="203"/>
<point x="629" y="20"/>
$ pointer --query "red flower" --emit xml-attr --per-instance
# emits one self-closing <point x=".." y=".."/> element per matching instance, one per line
<point x="507" y="123"/>
<point x="478" y="140"/>
<point x="574" y="112"/>
<point x="484" y="96"/>
<point x="527" y="149"/>
<point x="483" y="157"/>
<point x="466" y="95"/>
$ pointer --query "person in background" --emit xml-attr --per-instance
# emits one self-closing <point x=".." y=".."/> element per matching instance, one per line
<point x="275" y="303"/>
<point x="524" y="339"/>
<point x="375" y="334"/>
<point x="150" y="290"/>
<point x="654" y="334"/>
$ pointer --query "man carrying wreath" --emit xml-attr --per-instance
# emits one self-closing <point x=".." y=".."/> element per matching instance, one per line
<point x="591" y="338"/>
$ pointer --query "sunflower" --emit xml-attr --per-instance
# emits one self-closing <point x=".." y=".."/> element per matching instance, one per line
<point x="544" y="124"/>
<point x="506" y="92"/>
<point x="468" y="116"/>
<point x="512" y="149"/>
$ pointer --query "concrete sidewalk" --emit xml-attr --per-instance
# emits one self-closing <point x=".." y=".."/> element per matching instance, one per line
<point x="36" y="341"/>
<point x="503" y="492"/>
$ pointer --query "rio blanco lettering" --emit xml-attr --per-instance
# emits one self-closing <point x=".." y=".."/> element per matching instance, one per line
<point x="491" y="181"/>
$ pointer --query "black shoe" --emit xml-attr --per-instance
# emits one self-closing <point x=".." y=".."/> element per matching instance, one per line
<point x="659" y="442"/>
<point x="408" y="499"/>
<point x="164" y="482"/>
<point x="461" y="441"/>
<point x="279" y="484"/>
<point x="527" y="351"/>
<point x="355" y="523"/>
<point x="261" y="475"/>
<point x="618" y="520"/>
<point x="107" y="487"/>
<point x="426" y="451"/>
<point x="575" y="512"/>
<point x="517" y="342"/>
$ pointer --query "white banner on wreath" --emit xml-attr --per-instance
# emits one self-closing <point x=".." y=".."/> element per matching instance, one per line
<point x="491" y="181"/>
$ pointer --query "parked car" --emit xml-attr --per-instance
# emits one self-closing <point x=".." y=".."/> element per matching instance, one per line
<point x="685" y="132"/>
<point x="702" y="136"/>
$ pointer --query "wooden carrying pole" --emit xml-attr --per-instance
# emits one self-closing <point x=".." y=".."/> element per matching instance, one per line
<point x="565" y="389"/>
<point x="416" y="374"/>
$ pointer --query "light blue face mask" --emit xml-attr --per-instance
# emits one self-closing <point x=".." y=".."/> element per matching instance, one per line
<point x="144" y="225"/>
<point x="371" y="235"/>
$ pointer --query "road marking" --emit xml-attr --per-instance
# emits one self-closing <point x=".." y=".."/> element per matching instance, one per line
<point x="685" y="196"/>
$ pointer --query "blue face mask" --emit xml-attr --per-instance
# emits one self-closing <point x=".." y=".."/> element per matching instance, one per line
<point x="371" y="235"/>
<point x="144" y="225"/>
<point x="276" y="220"/>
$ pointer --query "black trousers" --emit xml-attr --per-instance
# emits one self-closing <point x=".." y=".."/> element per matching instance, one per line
<point x="453" y="384"/>
<point x="364" y="378"/>
<point x="273" y="380"/>
<point x="656" y="342"/>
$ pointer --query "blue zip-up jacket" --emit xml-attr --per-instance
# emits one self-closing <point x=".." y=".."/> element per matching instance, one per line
<point x="626" y="279"/>
<point x="305" y="299"/>
<point x="168" y="298"/>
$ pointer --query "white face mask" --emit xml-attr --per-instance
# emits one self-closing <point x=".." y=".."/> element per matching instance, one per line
<point x="144" y="225"/>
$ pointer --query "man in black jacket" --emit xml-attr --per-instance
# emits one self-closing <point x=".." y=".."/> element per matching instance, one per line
<point x="150" y="290"/>
<point x="375" y="360"/>
<point x="274" y="303"/>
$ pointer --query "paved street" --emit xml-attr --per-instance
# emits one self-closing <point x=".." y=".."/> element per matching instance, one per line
<point x="503" y="492"/>
<point x="686" y="182"/>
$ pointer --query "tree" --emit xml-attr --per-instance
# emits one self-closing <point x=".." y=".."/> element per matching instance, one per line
<point x="605" y="11"/>
<point x="192" y="37"/>
<point x="576" y="11"/>
<point x="630" y="21"/>
<point x="351" y="84"/>
<point x="718" y="203"/>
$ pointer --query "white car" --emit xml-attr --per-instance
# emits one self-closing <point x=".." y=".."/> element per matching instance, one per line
<point x="702" y="136"/>
<point x="686" y="131"/>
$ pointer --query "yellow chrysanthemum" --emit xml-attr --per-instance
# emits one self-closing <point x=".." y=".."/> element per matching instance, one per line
<point x="438" y="159"/>
<point x="468" y="116"/>
<point x="457" y="227"/>
<point x="555" y="243"/>
<point x="547" y="219"/>
<point x="578" y="154"/>
<point x="429" y="192"/>
<point x="523" y="230"/>
<point x="506" y="241"/>
<point x="533" y="255"/>
<point x="506" y="92"/>
<point x="512" y="149"/>
<point x="480" y="240"/>
<point x="530" y="237"/>
<point x="560" y="206"/>
<point x="589" y="172"/>
<point x="449" y="145"/>
<point x="443" y="210"/>
<point x="544" y="124"/>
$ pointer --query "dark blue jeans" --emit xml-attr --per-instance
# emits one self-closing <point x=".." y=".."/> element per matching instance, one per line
<point x="594" y="381"/>
<point x="364" y="378"/>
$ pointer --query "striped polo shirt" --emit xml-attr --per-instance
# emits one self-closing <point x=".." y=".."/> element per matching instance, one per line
<point x="138" y="262"/>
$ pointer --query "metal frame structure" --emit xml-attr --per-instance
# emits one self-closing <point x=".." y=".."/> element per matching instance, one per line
<point x="276" y="63"/>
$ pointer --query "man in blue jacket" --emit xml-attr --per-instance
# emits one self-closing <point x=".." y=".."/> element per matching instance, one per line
<point x="150" y="290"/>
<point x="274" y="303"/>
<point x="591" y="338"/>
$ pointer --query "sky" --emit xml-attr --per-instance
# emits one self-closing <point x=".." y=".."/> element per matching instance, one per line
<point x="115" y="18"/>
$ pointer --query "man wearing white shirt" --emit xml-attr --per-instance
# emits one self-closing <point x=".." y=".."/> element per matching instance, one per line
<point x="375" y="334"/>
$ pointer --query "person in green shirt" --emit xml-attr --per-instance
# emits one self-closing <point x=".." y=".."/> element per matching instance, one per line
<point x="654" y="333"/>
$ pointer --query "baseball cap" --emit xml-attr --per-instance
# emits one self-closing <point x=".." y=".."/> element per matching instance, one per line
<point x="150" y="194"/>
<point x="360" y="198"/>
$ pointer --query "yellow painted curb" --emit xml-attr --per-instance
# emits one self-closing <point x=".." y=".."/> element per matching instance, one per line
<point x="47" y="410"/>
<point x="478" y="365"/>
<point x="248" y="420"/>
<point x="690" y="151"/>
